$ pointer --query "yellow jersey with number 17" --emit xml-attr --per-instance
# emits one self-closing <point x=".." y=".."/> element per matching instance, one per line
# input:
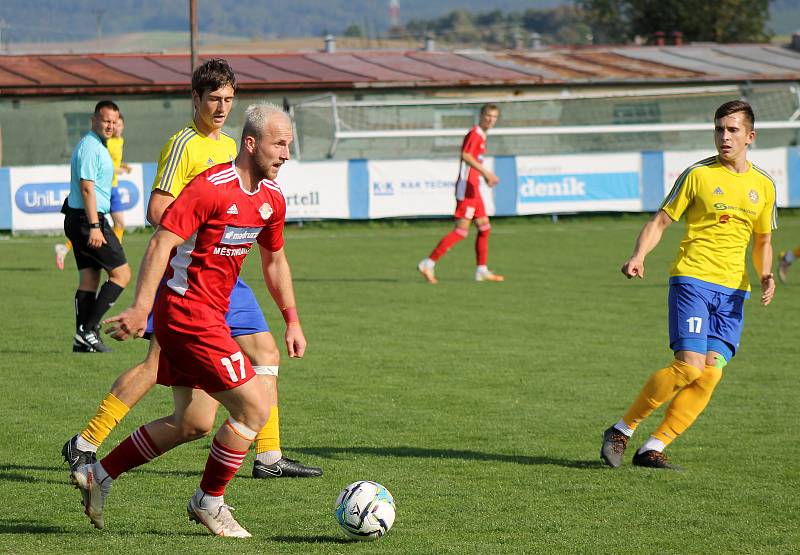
<point x="188" y="153"/>
<point x="723" y="209"/>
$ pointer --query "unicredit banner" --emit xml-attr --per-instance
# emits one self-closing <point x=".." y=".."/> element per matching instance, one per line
<point x="38" y="192"/>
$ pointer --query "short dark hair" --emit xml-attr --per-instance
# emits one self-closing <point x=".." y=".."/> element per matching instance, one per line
<point x="211" y="75"/>
<point x="487" y="107"/>
<point x="733" y="107"/>
<point x="105" y="104"/>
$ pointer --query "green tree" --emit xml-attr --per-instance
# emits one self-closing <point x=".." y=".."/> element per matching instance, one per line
<point x="725" y="21"/>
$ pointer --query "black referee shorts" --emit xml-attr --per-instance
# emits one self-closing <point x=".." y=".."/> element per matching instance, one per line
<point x="76" y="228"/>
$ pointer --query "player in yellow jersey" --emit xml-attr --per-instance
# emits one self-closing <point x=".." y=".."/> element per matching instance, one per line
<point x="726" y="200"/>
<point x="115" y="146"/>
<point x="192" y="150"/>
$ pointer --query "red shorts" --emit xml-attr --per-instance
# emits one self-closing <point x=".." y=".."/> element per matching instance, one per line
<point x="470" y="208"/>
<point x="197" y="349"/>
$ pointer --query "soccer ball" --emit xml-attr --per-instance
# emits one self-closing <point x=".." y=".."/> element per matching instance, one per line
<point x="365" y="510"/>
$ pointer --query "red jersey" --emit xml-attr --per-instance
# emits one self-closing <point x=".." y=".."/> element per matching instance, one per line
<point x="219" y="221"/>
<point x="469" y="179"/>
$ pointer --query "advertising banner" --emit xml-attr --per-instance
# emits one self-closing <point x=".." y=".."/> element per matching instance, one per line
<point x="771" y="160"/>
<point x="578" y="183"/>
<point x="314" y="190"/>
<point x="400" y="188"/>
<point x="37" y="193"/>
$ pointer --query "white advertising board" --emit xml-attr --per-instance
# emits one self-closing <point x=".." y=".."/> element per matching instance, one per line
<point x="399" y="188"/>
<point x="315" y="190"/>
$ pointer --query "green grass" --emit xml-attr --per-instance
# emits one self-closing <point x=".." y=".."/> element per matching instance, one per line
<point x="479" y="406"/>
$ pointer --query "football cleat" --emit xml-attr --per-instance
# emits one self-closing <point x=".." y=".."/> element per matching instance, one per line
<point x="654" y="459"/>
<point x="427" y="273"/>
<point x="61" y="254"/>
<point x="614" y="444"/>
<point x="783" y="267"/>
<point x="488" y="276"/>
<point x="94" y="492"/>
<point x="219" y="520"/>
<point x="74" y="457"/>
<point x="285" y="468"/>
<point x="88" y="342"/>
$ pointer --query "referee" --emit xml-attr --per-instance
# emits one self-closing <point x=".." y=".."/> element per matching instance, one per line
<point x="85" y="224"/>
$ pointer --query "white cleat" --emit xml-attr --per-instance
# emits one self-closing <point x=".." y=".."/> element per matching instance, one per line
<point x="427" y="272"/>
<point x="488" y="276"/>
<point x="61" y="254"/>
<point x="218" y="520"/>
<point x="94" y="492"/>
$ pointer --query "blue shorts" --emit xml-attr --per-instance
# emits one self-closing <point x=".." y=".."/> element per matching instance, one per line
<point x="702" y="320"/>
<point x="244" y="315"/>
<point x="116" y="200"/>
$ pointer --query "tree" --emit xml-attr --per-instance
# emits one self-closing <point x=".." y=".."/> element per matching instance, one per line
<point x="619" y="21"/>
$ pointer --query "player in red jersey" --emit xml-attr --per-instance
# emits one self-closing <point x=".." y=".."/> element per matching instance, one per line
<point x="201" y="243"/>
<point x="469" y="205"/>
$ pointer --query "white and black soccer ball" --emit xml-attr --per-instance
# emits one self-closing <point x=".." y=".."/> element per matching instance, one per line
<point x="365" y="510"/>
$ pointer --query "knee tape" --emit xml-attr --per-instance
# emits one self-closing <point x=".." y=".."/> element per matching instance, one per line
<point x="485" y="229"/>
<point x="266" y="370"/>
<point x="240" y="429"/>
<point x="461" y="232"/>
<point x="720" y="362"/>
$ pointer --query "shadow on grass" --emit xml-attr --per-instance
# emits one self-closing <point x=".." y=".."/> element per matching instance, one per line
<point x="25" y="270"/>
<point x="311" y="539"/>
<point x="423" y="453"/>
<point x="11" y="526"/>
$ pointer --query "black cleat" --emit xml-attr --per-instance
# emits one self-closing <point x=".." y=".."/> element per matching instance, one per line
<point x="614" y="444"/>
<point x="654" y="459"/>
<point x="285" y="468"/>
<point x="88" y="342"/>
<point x="74" y="457"/>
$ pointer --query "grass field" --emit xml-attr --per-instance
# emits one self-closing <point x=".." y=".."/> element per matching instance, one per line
<point x="479" y="406"/>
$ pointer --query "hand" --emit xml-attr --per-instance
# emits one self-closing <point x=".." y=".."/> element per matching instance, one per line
<point x="96" y="239"/>
<point x="491" y="179"/>
<point x="127" y="324"/>
<point x="633" y="268"/>
<point x="295" y="340"/>
<point x="767" y="288"/>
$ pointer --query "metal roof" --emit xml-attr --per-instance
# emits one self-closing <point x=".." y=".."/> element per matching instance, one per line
<point x="49" y="74"/>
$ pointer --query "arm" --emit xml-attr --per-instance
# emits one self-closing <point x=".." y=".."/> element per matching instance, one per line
<point x="159" y="200"/>
<point x="472" y="162"/>
<point x="132" y="322"/>
<point x="648" y="238"/>
<point x="762" y="262"/>
<point x="278" y="277"/>
<point x="96" y="239"/>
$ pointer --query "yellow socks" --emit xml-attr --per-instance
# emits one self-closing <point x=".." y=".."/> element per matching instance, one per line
<point x="660" y="388"/>
<point x="687" y="405"/>
<point x="118" y="231"/>
<point x="269" y="438"/>
<point x="110" y="412"/>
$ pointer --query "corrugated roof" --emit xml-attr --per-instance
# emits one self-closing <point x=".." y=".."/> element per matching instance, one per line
<point x="362" y="69"/>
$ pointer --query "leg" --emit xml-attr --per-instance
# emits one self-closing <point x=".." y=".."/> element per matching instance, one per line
<point x="118" y="279"/>
<point x="127" y="390"/>
<point x="119" y="224"/>
<point x="482" y="272"/>
<point x="262" y="351"/>
<point x="459" y="233"/>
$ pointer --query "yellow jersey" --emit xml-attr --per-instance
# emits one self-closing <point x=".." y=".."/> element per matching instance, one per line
<point x="114" y="145"/>
<point x="723" y="209"/>
<point x="188" y="153"/>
